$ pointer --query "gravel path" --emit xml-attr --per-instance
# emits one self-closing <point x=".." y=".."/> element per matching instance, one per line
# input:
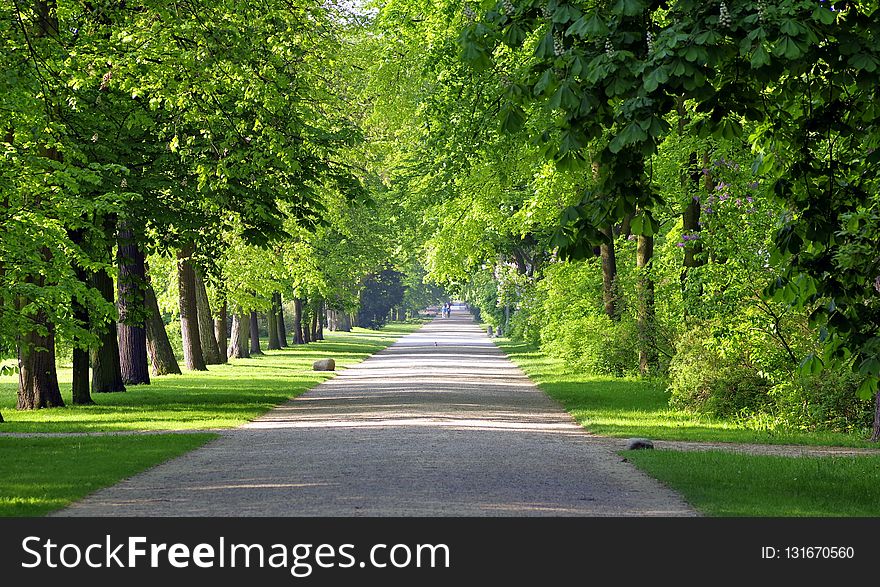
<point x="439" y="424"/>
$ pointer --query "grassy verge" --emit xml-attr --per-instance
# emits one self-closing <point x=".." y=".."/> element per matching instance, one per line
<point x="716" y="483"/>
<point x="224" y="396"/>
<point x="630" y="407"/>
<point x="40" y="475"/>
<point x="727" y="484"/>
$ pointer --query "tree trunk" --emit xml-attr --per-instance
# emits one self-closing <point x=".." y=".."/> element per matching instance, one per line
<point x="220" y="331"/>
<point x="272" y="327"/>
<point x="255" y="334"/>
<point x="313" y="335"/>
<point x="297" y="321"/>
<point x="130" y="303"/>
<point x="321" y="322"/>
<point x="37" y="377"/>
<point x="279" y="314"/>
<point x="159" y="347"/>
<point x="239" y="339"/>
<point x="189" y="314"/>
<point x="106" y="369"/>
<point x="81" y="390"/>
<point x="645" y="318"/>
<point x="609" y="275"/>
<point x="344" y="322"/>
<point x="210" y="346"/>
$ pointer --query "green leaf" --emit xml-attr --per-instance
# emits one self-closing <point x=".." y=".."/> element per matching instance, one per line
<point x="596" y="26"/>
<point x="512" y="118"/>
<point x="544" y="50"/>
<point x="760" y="57"/>
<point x="870" y="367"/>
<point x="824" y="15"/>
<point x="545" y="82"/>
<point x="868" y="388"/>
<point x="863" y="61"/>
<point x="514" y="35"/>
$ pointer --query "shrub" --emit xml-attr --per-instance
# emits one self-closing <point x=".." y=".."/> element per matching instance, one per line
<point x="715" y="377"/>
<point x="594" y="344"/>
<point x="827" y="402"/>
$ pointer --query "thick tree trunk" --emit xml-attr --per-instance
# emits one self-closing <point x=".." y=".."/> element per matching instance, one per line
<point x="238" y="340"/>
<point x="207" y="338"/>
<point x="220" y="331"/>
<point x="646" y="314"/>
<point x="133" y="360"/>
<point x="158" y="346"/>
<point x="609" y="275"/>
<point x="106" y="369"/>
<point x="297" y="321"/>
<point x="37" y="377"/>
<point x="279" y="314"/>
<point x="189" y="314"/>
<point x="255" y="333"/>
<point x="272" y="327"/>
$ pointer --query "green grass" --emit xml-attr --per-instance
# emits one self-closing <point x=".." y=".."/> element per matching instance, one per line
<point x="631" y="407"/>
<point x="728" y="484"/>
<point x="40" y="475"/>
<point x="224" y="396"/>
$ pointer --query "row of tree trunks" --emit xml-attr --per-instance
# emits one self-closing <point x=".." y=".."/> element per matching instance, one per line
<point x="159" y="347"/>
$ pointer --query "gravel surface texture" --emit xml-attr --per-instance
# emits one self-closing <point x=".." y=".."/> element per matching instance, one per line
<point x="441" y="423"/>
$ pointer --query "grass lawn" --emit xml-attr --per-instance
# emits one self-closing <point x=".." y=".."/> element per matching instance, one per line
<point x="716" y="483"/>
<point x="224" y="396"/>
<point x="630" y="407"/>
<point x="38" y="475"/>
<point x="727" y="484"/>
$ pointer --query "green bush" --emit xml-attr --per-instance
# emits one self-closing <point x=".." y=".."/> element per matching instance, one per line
<point x="715" y="377"/>
<point x="594" y="344"/>
<point x="826" y="402"/>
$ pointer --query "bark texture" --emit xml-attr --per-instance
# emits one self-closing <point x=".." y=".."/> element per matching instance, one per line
<point x="255" y="333"/>
<point x="158" y="346"/>
<point x="133" y="360"/>
<point x="189" y="315"/>
<point x="297" y="321"/>
<point x="106" y="370"/>
<point x="210" y="345"/>
<point x="646" y="313"/>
